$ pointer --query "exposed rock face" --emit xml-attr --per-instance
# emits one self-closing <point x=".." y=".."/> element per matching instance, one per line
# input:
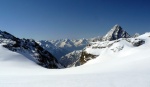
<point x="30" y="48"/>
<point x="138" y="42"/>
<point x="71" y="59"/>
<point x="86" y="57"/>
<point x="115" y="33"/>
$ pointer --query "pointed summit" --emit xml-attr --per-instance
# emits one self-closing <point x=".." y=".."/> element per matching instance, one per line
<point x="117" y="25"/>
<point x="115" y="33"/>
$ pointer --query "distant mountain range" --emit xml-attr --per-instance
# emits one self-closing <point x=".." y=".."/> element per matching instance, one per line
<point x="69" y="51"/>
<point x="114" y="60"/>
<point x="62" y="47"/>
<point x="60" y="53"/>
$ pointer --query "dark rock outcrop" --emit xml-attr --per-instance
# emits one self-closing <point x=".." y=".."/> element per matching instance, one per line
<point x="31" y="48"/>
<point x="138" y="42"/>
<point x="86" y="57"/>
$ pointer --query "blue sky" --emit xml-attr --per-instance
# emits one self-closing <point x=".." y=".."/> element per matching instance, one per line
<point x="73" y="19"/>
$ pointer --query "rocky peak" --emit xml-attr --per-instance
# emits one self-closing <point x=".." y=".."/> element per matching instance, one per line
<point x="115" y="33"/>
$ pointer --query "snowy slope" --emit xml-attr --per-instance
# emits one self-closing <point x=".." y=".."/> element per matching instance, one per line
<point x="65" y="50"/>
<point x="30" y="49"/>
<point x="114" y="67"/>
<point x="14" y="63"/>
<point x="122" y="45"/>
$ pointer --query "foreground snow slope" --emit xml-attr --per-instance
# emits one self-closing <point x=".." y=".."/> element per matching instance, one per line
<point x="128" y="67"/>
<point x="30" y="49"/>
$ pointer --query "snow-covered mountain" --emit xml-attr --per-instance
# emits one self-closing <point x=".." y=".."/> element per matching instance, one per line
<point x="30" y="49"/>
<point x="120" y="47"/>
<point x="71" y="59"/>
<point x="65" y="50"/>
<point x="62" y="47"/>
<point x="56" y="51"/>
<point x="122" y="62"/>
<point x="119" y="63"/>
<point x="115" y="33"/>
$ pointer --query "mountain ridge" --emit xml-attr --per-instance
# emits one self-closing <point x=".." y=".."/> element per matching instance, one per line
<point x="69" y="47"/>
<point x="31" y="48"/>
<point x="61" y="49"/>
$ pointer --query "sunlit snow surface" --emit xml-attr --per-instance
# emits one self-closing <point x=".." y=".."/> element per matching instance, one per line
<point x="129" y="67"/>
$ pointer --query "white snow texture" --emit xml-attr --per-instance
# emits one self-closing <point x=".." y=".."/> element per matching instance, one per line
<point x="119" y="65"/>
